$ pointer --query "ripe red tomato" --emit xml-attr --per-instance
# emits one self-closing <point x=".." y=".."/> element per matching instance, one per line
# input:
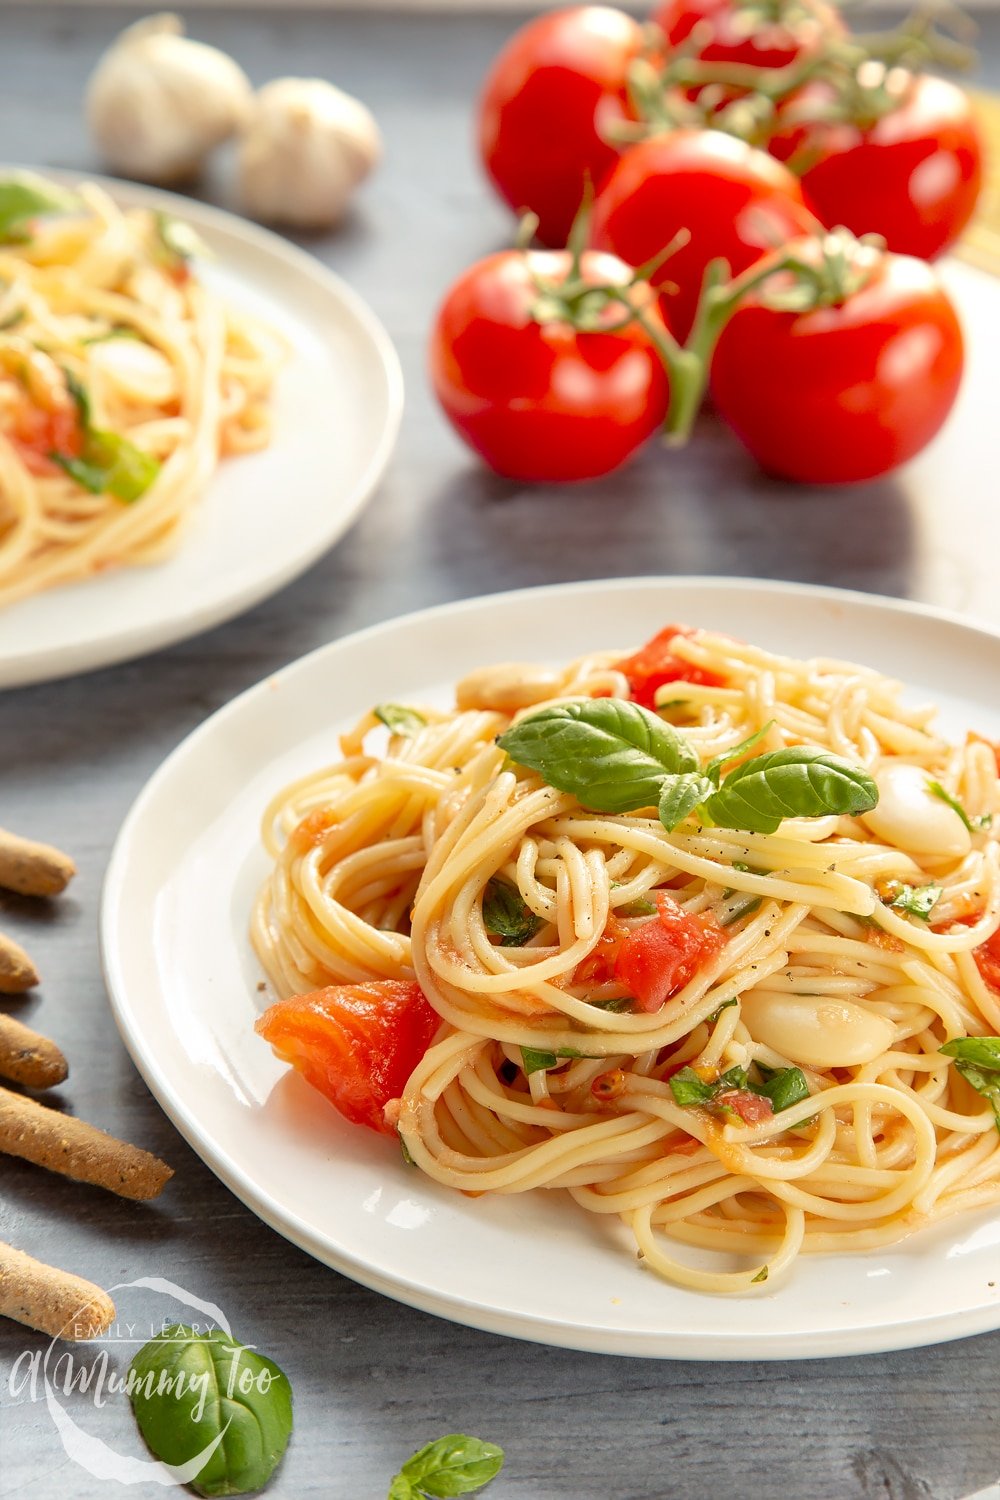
<point x="913" y="177"/>
<point x="543" y="401"/>
<point x="356" y="1043"/>
<point x="654" y="665"/>
<point x="547" y="105"/>
<point x="987" y="957"/>
<point x="661" y="956"/>
<point x="846" y="392"/>
<point x="727" y="194"/>
<point x="749" y="35"/>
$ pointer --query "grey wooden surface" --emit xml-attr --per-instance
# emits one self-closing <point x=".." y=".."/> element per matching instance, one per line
<point x="372" y="1379"/>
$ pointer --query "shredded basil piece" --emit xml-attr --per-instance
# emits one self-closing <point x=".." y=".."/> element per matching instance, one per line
<point x="178" y="239"/>
<point x="745" y="909"/>
<point x="110" y="465"/>
<point x="783" y="1086"/>
<point x="399" y="719"/>
<point x="760" y="1276"/>
<point x="506" y="916"/>
<point x="917" y="900"/>
<point x="943" y="795"/>
<point x="620" y="1006"/>
<point x="405" y="1151"/>
<point x="711" y="1020"/>
<point x="977" y="1058"/>
<point x="638" y="908"/>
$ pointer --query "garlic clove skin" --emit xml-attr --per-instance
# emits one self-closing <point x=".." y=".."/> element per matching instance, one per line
<point x="158" y="102"/>
<point x="306" y="148"/>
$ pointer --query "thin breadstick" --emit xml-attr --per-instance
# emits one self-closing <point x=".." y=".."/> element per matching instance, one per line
<point x="29" y="1058"/>
<point x="17" y="972"/>
<point x="78" y="1150"/>
<point x="33" y="869"/>
<point x="53" y="1301"/>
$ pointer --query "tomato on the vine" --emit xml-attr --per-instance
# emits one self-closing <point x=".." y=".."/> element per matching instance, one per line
<point x="848" y="390"/>
<point x="546" y="376"/>
<point x="732" y="200"/>
<point x="753" y="35"/>
<point x="912" y="176"/>
<point x="549" y="106"/>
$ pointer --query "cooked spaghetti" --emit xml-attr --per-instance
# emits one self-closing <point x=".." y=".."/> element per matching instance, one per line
<point x="766" y="1079"/>
<point x="123" y="381"/>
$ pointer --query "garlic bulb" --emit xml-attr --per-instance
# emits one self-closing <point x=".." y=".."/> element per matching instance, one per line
<point x="158" y="102"/>
<point x="306" y="148"/>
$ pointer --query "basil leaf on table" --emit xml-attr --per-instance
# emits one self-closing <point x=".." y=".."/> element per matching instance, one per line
<point x="451" y="1466"/>
<point x="399" y="719"/>
<point x="204" y="1393"/>
<point x="506" y="915"/>
<point x="977" y="1058"/>
<point x="612" y="755"/>
<point x="797" y="782"/>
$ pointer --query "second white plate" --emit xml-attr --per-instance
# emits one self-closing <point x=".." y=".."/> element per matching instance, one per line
<point x="184" y="986"/>
<point x="265" y="516"/>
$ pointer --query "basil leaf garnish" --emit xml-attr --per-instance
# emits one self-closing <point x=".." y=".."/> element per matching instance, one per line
<point x="687" y="1088"/>
<point x="506" y="916"/>
<point x="534" y="1061"/>
<point x="454" y="1465"/>
<point x="918" y="900"/>
<point x="974" y="825"/>
<point x="797" y="782"/>
<point x="399" y="719"/>
<point x="110" y="465"/>
<point x="977" y="1058"/>
<point x="640" y="907"/>
<point x="620" y="1006"/>
<point x="711" y="1020"/>
<point x="612" y="755"/>
<point x="681" y="795"/>
<point x="197" y="1394"/>
<point x="26" y="196"/>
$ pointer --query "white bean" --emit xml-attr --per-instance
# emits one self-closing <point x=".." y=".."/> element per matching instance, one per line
<point x="910" y="816"/>
<point x="507" y="686"/>
<point x="815" y="1030"/>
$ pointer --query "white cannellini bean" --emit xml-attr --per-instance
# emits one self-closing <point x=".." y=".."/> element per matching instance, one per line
<point x="139" y="372"/>
<point x="815" y="1030"/>
<point x="910" y="816"/>
<point x="507" y="686"/>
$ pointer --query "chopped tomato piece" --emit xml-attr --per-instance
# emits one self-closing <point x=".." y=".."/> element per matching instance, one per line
<point x="751" y="1108"/>
<point x="37" y="433"/>
<point x="312" y="829"/>
<point x="987" y="957"/>
<point x="599" y="965"/>
<point x="655" y="665"/>
<point x="356" y="1043"/>
<point x="679" y="1143"/>
<point x="662" y="955"/>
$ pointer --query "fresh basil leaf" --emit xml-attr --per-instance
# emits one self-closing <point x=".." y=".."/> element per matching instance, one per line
<point x="638" y="908"/>
<point x="454" y="1465"/>
<point x="506" y="916"/>
<point x="612" y="755"/>
<point x="204" y="1393"/>
<point x="178" y="239"/>
<point x="620" y="1006"/>
<point x="681" y="795"/>
<point x="25" y="196"/>
<point x="783" y="1086"/>
<point x="917" y="900"/>
<point x="714" y="768"/>
<point x="535" y="1061"/>
<point x="943" y="795"/>
<point x="797" y="782"/>
<point x="399" y="719"/>
<point x="110" y="465"/>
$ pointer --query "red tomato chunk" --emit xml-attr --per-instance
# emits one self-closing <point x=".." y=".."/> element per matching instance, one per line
<point x="655" y="665"/>
<point x="356" y="1043"/>
<point x="662" y="955"/>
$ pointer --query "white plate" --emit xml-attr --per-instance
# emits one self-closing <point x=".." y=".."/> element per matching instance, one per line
<point x="265" y="516"/>
<point x="183" y="982"/>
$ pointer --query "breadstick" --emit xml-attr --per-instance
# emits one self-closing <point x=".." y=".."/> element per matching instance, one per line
<point x="78" y="1150"/>
<point x="29" y="1058"/>
<point x="55" y="1302"/>
<point x="17" y="972"/>
<point x="33" y="869"/>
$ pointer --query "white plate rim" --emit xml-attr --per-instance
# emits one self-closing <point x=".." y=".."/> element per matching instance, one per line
<point x="28" y="666"/>
<point x="920" y="1332"/>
